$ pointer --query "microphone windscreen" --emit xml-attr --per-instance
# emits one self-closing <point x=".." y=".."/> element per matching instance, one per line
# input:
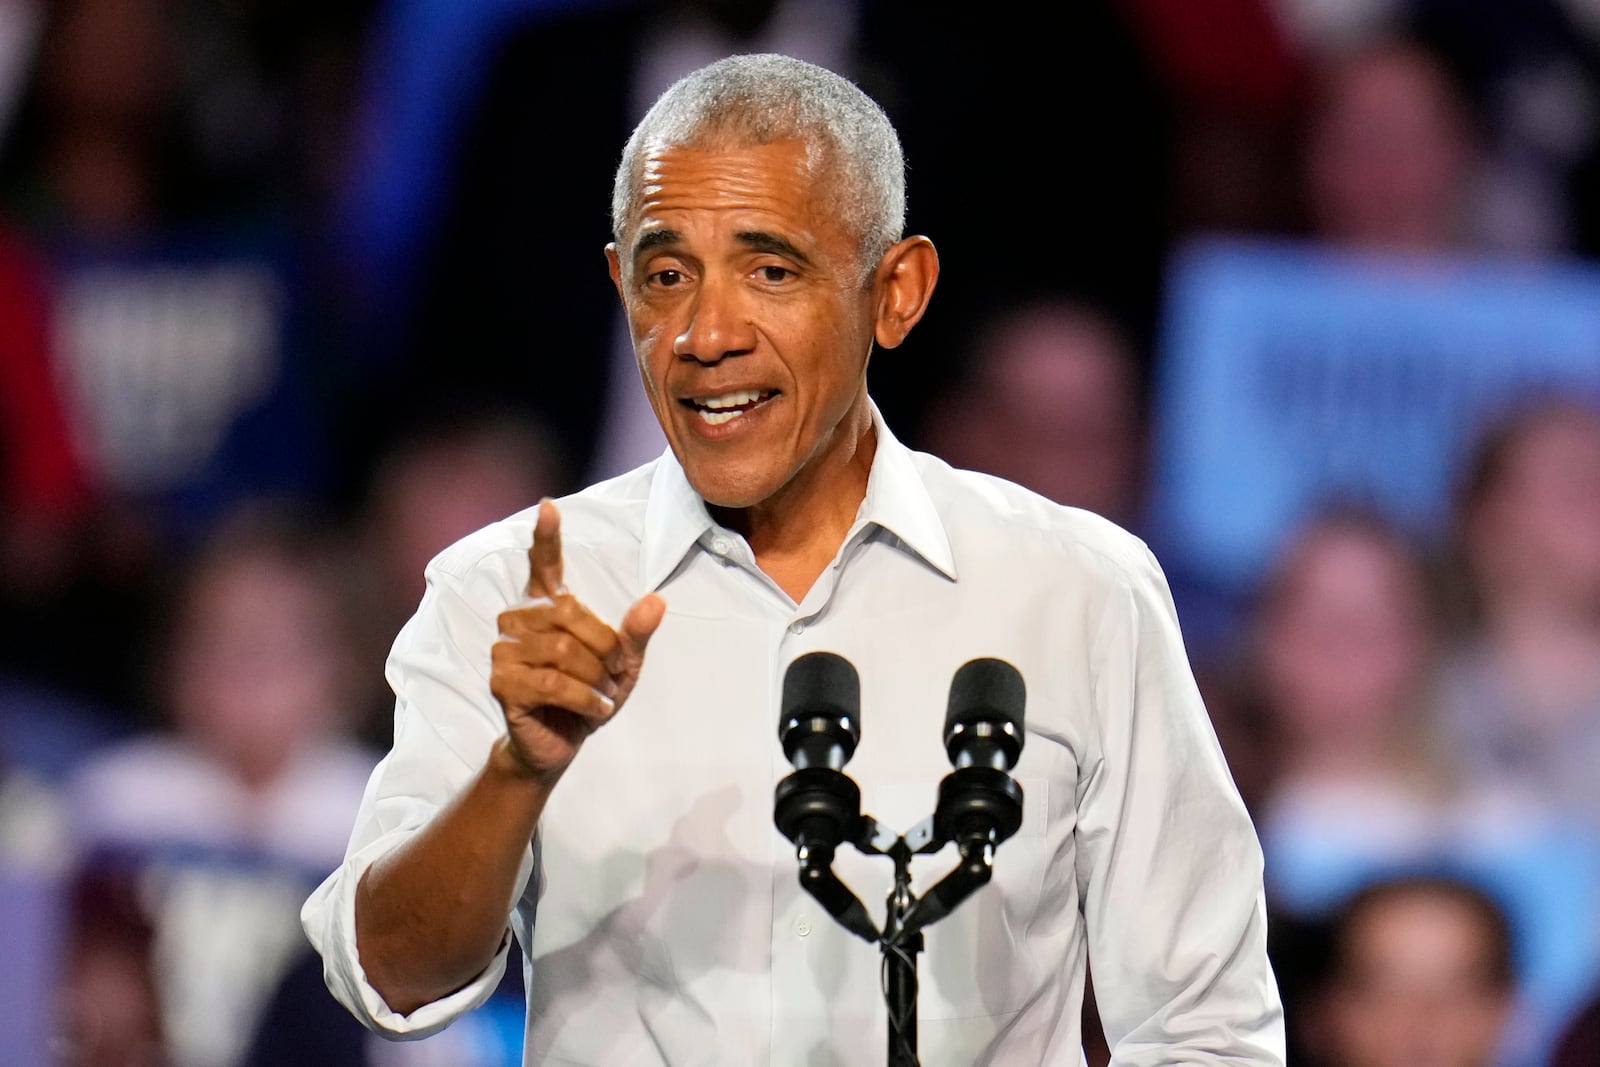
<point x="986" y="690"/>
<point x="822" y="684"/>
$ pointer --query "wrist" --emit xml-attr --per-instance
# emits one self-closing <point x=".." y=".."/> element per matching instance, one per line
<point x="506" y="765"/>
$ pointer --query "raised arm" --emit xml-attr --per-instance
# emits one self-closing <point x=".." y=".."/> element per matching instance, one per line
<point x="432" y="913"/>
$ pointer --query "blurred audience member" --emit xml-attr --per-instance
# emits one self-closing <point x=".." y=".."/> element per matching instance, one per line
<point x="1523" y="689"/>
<point x="1344" y="643"/>
<point x="437" y="485"/>
<point x="1522" y="76"/>
<point x="175" y="333"/>
<point x="230" y="818"/>
<point x="429" y="489"/>
<point x="175" y="341"/>
<point x="1390" y="152"/>
<point x="1422" y="977"/>
<point x="110" y="1010"/>
<point x="1346" y="654"/>
<point x="1050" y="401"/>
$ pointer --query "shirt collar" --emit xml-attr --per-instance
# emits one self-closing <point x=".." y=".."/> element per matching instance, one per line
<point x="896" y="500"/>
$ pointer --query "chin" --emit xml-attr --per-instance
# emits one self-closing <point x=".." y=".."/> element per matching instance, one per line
<point x="733" y="489"/>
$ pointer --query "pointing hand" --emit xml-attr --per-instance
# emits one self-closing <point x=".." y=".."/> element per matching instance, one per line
<point x="558" y="671"/>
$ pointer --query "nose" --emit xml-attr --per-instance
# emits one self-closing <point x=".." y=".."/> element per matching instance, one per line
<point x="719" y="324"/>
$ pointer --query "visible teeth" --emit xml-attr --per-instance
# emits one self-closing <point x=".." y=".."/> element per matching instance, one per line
<point x="730" y="400"/>
<point x="717" y="417"/>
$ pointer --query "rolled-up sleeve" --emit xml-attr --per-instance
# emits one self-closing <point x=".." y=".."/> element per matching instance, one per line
<point x="446" y="720"/>
<point x="1169" y="868"/>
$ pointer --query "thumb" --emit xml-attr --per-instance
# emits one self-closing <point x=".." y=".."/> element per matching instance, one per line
<point x="637" y="626"/>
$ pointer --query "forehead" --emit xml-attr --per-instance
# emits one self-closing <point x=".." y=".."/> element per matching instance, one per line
<point x="776" y="181"/>
<point x="1424" y="931"/>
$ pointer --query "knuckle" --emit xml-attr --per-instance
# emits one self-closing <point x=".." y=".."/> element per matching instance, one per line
<point x="548" y="684"/>
<point x="500" y="686"/>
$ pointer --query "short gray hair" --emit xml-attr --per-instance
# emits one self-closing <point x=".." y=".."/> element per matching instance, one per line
<point x="760" y="99"/>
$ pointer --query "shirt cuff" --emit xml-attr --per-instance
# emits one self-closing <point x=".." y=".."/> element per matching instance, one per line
<point x="329" y="921"/>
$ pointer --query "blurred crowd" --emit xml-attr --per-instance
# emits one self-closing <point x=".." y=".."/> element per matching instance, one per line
<point x="293" y="295"/>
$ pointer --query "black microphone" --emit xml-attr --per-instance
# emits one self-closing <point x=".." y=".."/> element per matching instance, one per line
<point x="979" y="803"/>
<point x="983" y="726"/>
<point x="818" y="807"/>
<point x="820" y="718"/>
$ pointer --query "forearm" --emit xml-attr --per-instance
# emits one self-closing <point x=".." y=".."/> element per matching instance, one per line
<point x="431" y="914"/>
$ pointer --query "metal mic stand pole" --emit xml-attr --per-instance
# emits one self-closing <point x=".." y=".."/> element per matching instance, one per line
<point x="816" y="807"/>
<point x="900" y="950"/>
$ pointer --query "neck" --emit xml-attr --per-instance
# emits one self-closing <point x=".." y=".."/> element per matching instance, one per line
<point x="798" y="531"/>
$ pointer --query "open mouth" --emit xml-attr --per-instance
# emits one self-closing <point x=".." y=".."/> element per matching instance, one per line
<point x="725" y="407"/>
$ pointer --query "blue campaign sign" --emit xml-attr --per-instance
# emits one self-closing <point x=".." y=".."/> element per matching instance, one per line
<point x="1291" y="375"/>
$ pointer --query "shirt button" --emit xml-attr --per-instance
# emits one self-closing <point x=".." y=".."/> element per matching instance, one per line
<point x="721" y="546"/>
<point x="797" y="627"/>
<point x="802" y="927"/>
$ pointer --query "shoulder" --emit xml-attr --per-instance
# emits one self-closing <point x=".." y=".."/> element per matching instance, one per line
<point x="994" y="522"/>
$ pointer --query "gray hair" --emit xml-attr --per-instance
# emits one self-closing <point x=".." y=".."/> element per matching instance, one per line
<point x="760" y="99"/>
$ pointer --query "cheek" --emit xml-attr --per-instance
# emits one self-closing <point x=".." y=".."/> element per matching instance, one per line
<point x="652" y="350"/>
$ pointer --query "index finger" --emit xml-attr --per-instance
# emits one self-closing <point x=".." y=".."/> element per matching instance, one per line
<point x="544" y="555"/>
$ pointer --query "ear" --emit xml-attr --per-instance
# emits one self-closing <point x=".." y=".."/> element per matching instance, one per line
<point x="614" y="262"/>
<point x="902" y="286"/>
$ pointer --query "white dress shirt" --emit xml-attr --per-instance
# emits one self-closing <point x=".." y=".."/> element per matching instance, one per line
<point x="661" y="914"/>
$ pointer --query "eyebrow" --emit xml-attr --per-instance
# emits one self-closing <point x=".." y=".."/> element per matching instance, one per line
<point x="756" y="240"/>
<point x="655" y="239"/>
<point x="761" y="241"/>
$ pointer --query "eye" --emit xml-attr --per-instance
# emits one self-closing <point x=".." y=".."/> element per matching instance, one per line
<point x="665" y="278"/>
<point x="774" y="274"/>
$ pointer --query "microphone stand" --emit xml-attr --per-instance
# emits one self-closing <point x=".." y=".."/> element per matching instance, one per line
<point x="901" y="946"/>
<point x="962" y="794"/>
<point x="818" y="807"/>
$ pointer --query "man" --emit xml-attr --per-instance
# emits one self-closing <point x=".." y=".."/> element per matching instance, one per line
<point x="757" y="218"/>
